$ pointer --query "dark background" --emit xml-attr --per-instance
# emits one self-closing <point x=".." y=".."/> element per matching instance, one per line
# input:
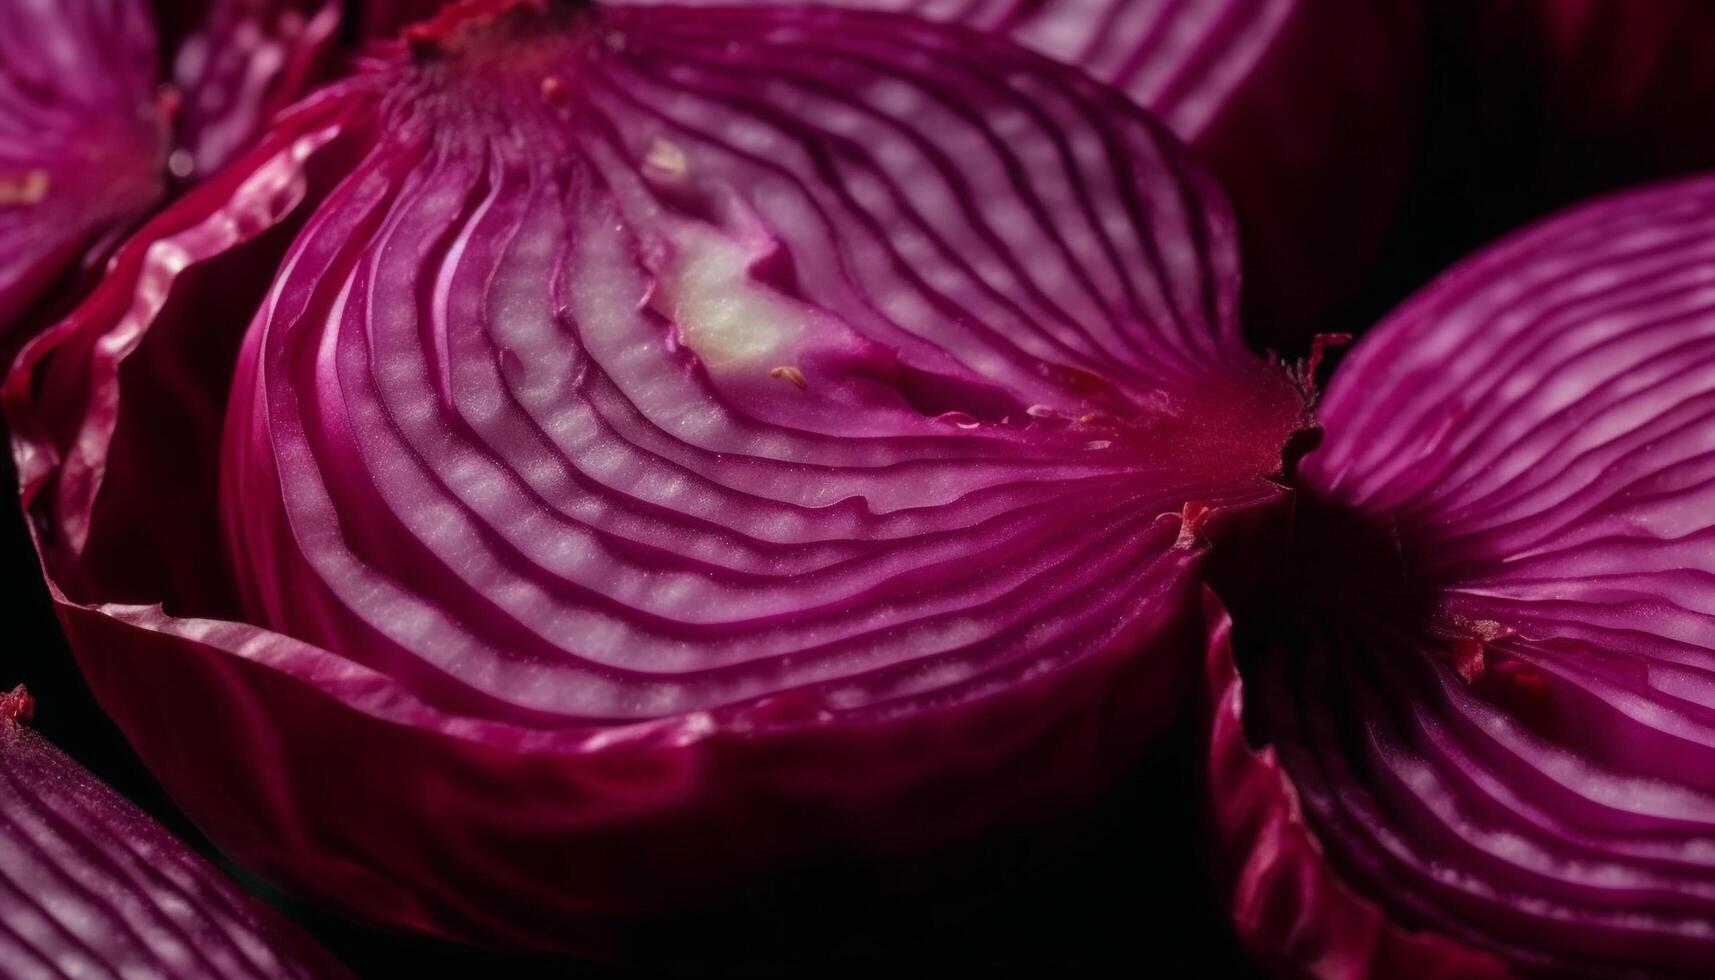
<point x="1129" y="888"/>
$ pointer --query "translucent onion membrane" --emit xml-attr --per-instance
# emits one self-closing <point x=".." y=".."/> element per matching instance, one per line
<point x="93" y="134"/>
<point x="793" y="429"/>
<point x="1493" y="713"/>
<point x="1604" y="92"/>
<point x="1306" y="111"/>
<point x="91" y="886"/>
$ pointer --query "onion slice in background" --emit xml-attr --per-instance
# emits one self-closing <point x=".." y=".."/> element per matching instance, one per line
<point x="91" y="886"/>
<point x="797" y="429"/>
<point x="101" y="122"/>
<point x="1491" y="703"/>
<point x="83" y="136"/>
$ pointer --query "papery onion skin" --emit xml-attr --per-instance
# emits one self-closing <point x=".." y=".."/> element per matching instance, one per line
<point x="345" y="763"/>
<point x="1306" y="111"/>
<point x="1489" y="702"/>
<point x="92" y="886"/>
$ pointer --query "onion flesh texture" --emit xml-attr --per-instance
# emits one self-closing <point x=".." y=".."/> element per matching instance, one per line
<point x="1496" y="714"/>
<point x="1269" y="94"/>
<point x="659" y="429"/>
<point x="92" y="886"/>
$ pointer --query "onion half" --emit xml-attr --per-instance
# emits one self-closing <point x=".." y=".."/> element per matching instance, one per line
<point x="1491" y="705"/>
<point x="792" y="428"/>
<point x="91" y="886"/>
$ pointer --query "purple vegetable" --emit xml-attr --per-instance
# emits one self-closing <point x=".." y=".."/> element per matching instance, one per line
<point x="792" y="428"/>
<point x="91" y="886"/>
<point x="1491" y="703"/>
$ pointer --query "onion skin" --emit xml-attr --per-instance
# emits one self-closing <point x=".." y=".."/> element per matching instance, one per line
<point x="94" y="886"/>
<point x="1483" y="696"/>
<point x="475" y="814"/>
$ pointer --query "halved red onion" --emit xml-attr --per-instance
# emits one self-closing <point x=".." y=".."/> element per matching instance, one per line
<point x="92" y="886"/>
<point x="791" y="428"/>
<point x="1493" y="702"/>
<point x="1306" y="111"/>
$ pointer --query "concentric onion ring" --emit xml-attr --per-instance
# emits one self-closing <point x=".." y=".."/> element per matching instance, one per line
<point x="1499" y="725"/>
<point x="791" y="428"/>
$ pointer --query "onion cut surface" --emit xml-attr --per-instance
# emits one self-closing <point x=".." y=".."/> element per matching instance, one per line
<point x="1272" y="96"/>
<point x="792" y="428"/>
<point x="91" y="886"/>
<point x="1497" y="721"/>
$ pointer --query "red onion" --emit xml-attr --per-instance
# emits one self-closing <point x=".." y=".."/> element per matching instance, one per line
<point x="91" y="886"/>
<point x="1490" y="704"/>
<point x="791" y="428"/>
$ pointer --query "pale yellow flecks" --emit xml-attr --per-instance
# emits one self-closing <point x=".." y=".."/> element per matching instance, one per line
<point x="730" y="321"/>
<point x="666" y="159"/>
<point x="787" y="372"/>
<point x="29" y="187"/>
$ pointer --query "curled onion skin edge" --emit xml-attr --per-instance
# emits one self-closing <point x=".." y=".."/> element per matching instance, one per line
<point x="489" y="825"/>
<point x="1490" y="713"/>
<point x="93" y="884"/>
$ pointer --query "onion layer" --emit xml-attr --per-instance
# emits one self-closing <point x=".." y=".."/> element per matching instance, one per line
<point x="1497" y="719"/>
<point x="91" y="886"/>
<point x="787" y="428"/>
